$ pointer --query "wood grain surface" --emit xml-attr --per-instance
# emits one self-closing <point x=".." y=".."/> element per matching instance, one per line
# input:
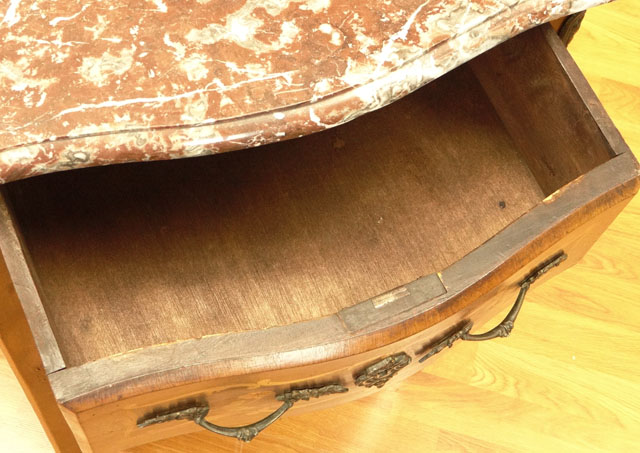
<point x="567" y="378"/>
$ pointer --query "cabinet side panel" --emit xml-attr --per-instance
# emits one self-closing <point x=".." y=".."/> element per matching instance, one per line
<point x="20" y="349"/>
<point x="19" y="272"/>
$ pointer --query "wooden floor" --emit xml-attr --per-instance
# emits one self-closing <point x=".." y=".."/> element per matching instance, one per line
<point x="568" y="379"/>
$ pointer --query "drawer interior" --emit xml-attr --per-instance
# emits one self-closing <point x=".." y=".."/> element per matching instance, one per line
<point x="133" y="255"/>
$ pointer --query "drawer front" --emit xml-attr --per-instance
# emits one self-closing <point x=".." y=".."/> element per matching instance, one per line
<point x="375" y="375"/>
<point x="241" y="401"/>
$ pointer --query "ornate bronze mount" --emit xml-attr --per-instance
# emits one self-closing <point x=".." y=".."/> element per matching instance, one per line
<point x="506" y="326"/>
<point x="447" y="342"/>
<point x="379" y="373"/>
<point x="307" y="394"/>
<point x="198" y="412"/>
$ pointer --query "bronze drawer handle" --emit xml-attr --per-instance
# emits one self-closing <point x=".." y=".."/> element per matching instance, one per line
<point x="198" y="413"/>
<point x="506" y="326"/>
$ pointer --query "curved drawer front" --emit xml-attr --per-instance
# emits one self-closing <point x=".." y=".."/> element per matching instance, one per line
<point x="375" y="375"/>
<point x="243" y="406"/>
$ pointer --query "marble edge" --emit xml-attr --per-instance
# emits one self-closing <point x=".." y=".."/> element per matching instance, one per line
<point x="182" y="141"/>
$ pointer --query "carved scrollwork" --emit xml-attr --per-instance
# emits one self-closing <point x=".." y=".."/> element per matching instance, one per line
<point x="306" y="394"/>
<point x="379" y="373"/>
<point x="191" y="413"/>
<point x="447" y="342"/>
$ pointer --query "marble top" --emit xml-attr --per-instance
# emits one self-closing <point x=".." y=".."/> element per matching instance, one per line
<point x="87" y="83"/>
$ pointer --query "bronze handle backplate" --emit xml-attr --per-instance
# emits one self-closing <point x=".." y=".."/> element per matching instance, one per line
<point x="506" y="326"/>
<point x="197" y="413"/>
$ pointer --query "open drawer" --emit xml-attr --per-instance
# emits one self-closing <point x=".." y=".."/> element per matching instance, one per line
<point x="315" y="268"/>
